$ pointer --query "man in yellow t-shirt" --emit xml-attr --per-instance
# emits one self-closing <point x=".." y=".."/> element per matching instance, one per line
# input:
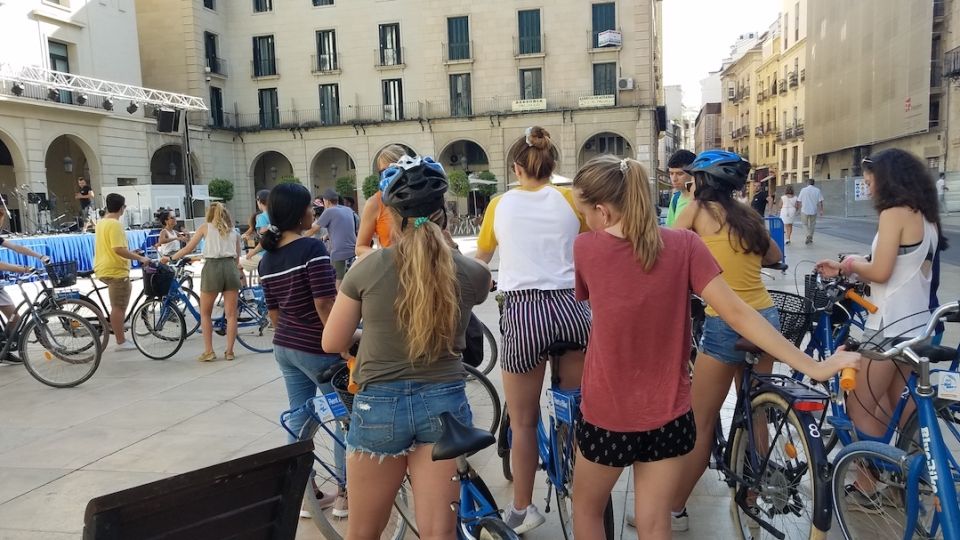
<point x="111" y="264"/>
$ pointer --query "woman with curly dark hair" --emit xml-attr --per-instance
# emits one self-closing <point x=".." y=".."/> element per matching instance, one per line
<point x="900" y="270"/>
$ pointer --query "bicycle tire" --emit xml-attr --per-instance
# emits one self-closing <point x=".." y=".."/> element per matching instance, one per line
<point x="484" y="400"/>
<point x="494" y="529"/>
<point x="856" y="523"/>
<point x="777" y="474"/>
<point x="490" y="351"/>
<point x="332" y="528"/>
<point x="254" y="329"/>
<point x="186" y="282"/>
<point x="503" y="445"/>
<point x="69" y="338"/>
<point x="89" y="312"/>
<point x="193" y="325"/>
<point x="158" y="329"/>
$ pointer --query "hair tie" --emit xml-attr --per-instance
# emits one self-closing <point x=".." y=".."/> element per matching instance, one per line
<point x="623" y="165"/>
<point x="526" y="135"/>
<point x="274" y="229"/>
<point x="417" y="223"/>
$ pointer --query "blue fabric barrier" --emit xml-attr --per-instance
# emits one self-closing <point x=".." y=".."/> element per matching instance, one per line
<point x="66" y="247"/>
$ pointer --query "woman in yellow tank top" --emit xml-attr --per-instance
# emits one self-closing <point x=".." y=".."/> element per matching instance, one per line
<point x="738" y="239"/>
<point x="375" y="219"/>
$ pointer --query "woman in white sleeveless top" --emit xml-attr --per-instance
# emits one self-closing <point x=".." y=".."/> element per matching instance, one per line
<point x="899" y="271"/>
<point x="788" y="211"/>
<point x="220" y="275"/>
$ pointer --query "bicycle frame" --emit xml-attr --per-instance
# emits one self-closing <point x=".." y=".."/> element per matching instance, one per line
<point x="103" y="305"/>
<point x="564" y="408"/>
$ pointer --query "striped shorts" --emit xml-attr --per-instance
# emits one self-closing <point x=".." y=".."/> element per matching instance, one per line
<point x="532" y="320"/>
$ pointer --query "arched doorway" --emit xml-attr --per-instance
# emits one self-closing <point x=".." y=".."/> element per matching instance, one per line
<point x="329" y="165"/>
<point x="410" y="152"/>
<point x="511" y="179"/>
<point x="67" y="159"/>
<point x="269" y="168"/>
<point x="166" y="166"/>
<point x="604" y="143"/>
<point x="8" y="183"/>
<point x="471" y="158"/>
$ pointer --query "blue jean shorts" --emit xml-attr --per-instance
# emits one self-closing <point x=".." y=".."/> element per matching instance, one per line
<point x="719" y="339"/>
<point x="393" y="418"/>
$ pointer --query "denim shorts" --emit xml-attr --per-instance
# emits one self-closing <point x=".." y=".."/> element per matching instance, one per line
<point x="719" y="339"/>
<point x="392" y="418"/>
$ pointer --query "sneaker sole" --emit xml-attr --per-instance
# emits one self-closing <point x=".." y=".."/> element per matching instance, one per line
<point x="527" y="527"/>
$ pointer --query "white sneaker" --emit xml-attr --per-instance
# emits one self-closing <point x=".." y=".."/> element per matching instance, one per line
<point x="125" y="346"/>
<point x="527" y="520"/>
<point x="679" y="523"/>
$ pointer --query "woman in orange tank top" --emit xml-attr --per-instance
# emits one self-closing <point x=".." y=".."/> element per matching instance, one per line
<point x="375" y="219"/>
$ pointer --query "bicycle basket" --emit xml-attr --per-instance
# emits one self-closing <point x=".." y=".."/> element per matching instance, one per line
<point x="818" y="296"/>
<point x="340" y="381"/>
<point x="796" y="315"/>
<point x="157" y="280"/>
<point x="62" y="274"/>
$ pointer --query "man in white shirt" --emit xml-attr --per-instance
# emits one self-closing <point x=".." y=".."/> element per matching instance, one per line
<point x="810" y="204"/>
<point x="942" y="190"/>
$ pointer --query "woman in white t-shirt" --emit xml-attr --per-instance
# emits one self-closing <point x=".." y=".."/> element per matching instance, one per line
<point x="788" y="211"/>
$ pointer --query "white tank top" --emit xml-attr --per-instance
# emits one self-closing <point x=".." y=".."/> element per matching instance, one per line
<point x="903" y="302"/>
<point x="220" y="247"/>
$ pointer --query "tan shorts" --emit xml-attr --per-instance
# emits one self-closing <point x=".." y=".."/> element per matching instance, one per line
<point x="219" y="275"/>
<point x="251" y="264"/>
<point x="118" y="290"/>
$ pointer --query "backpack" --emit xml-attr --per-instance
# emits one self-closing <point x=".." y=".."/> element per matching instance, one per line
<point x="473" y="353"/>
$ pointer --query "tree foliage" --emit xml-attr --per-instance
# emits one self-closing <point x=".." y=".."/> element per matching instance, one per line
<point x="221" y="188"/>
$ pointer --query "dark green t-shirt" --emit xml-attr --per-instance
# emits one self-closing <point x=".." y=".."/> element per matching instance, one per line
<point x="383" y="354"/>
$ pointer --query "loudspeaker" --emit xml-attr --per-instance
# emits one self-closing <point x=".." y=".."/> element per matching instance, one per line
<point x="661" y="118"/>
<point x="168" y="121"/>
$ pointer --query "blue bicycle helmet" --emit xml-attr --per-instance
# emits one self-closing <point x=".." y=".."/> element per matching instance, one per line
<point x="721" y="169"/>
<point x="414" y="187"/>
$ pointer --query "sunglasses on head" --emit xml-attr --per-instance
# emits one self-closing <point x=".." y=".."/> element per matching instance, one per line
<point x="866" y="161"/>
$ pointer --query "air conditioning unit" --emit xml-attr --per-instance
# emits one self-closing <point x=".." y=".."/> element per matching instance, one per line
<point x="207" y="69"/>
<point x="625" y="83"/>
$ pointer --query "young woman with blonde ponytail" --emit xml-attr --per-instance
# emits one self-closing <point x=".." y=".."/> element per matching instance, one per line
<point x="220" y="275"/>
<point x="415" y="299"/>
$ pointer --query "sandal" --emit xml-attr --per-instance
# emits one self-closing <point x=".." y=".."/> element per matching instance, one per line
<point x="207" y="357"/>
<point x="228" y="355"/>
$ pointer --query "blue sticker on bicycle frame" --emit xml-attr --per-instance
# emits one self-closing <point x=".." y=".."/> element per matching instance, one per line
<point x="336" y="405"/>
<point x="328" y="407"/>
<point x="562" y="406"/>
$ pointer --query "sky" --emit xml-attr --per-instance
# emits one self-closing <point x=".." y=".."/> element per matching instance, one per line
<point x="697" y="35"/>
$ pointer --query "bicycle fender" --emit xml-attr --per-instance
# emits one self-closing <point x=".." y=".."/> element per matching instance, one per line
<point x="822" y="468"/>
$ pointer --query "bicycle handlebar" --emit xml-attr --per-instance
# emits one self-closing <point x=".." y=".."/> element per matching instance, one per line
<point x="863" y="302"/>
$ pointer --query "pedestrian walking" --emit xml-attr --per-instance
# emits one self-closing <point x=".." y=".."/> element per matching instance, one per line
<point x="810" y="205"/>
<point x="341" y="223"/>
<point x="942" y="190"/>
<point x="788" y="211"/>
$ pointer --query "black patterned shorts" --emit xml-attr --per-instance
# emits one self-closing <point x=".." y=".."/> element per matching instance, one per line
<point x="622" y="449"/>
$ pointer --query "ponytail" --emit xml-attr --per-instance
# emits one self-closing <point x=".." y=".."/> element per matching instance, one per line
<point x="427" y="303"/>
<point x="219" y="217"/>
<point x="623" y="184"/>
<point x="270" y="240"/>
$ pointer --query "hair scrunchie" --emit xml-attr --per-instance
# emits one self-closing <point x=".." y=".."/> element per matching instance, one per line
<point x="274" y="229"/>
<point x="417" y="223"/>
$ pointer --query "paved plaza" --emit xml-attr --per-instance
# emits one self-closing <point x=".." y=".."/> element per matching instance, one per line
<point x="139" y="420"/>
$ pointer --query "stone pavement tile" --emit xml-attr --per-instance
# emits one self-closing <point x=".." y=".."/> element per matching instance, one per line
<point x="167" y="452"/>
<point x="59" y="505"/>
<point x="217" y="387"/>
<point x="73" y="448"/>
<point x="224" y="420"/>
<point x="16" y="482"/>
<point x="268" y="410"/>
<point x="152" y="413"/>
<point x="15" y="437"/>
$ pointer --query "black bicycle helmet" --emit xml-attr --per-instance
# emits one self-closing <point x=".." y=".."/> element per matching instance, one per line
<point x="721" y="169"/>
<point x="414" y="187"/>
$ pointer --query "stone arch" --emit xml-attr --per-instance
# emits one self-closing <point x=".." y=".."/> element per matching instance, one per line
<point x="169" y="159"/>
<point x="327" y="165"/>
<point x="268" y="168"/>
<point x="466" y="154"/>
<point x="67" y="157"/>
<point x="12" y="164"/>
<point x="508" y="162"/>
<point x="604" y="142"/>
<point x="376" y="155"/>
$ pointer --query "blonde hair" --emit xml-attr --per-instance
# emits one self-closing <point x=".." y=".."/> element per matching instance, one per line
<point x="535" y="153"/>
<point x="219" y="217"/>
<point x="389" y="155"/>
<point x="428" y="299"/>
<point x="624" y="185"/>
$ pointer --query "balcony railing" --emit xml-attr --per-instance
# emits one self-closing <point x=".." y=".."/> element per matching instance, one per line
<point x="217" y="66"/>
<point x="325" y="63"/>
<point x="803" y="75"/>
<point x="936" y="74"/>
<point x="771" y="127"/>
<point x="793" y="79"/>
<point x="759" y="131"/>
<point x="386" y="58"/>
<point x="939" y="10"/>
<point x="783" y="86"/>
<point x="951" y="63"/>
<point x="457" y="52"/>
<point x="761" y="95"/>
<point x="798" y="129"/>
<point x="264" y="68"/>
<point x="788" y="134"/>
<point x="529" y="45"/>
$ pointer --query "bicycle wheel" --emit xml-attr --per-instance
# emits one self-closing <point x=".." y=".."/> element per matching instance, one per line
<point x="490" y="351"/>
<point x="880" y="515"/>
<point x="787" y="494"/>
<point x="329" y="479"/>
<point x="158" y="329"/>
<point x="186" y="282"/>
<point x="59" y="348"/>
<point x="254" y="329"/>
<point x="565" y="452"/>
<point x="192" y="322"/>
<point x="910" y="442"/>
<point x="484" y="400"/>
<point x="90" y="313"/>
<point x="494" y="529"/>
<point x="503" y="444"/>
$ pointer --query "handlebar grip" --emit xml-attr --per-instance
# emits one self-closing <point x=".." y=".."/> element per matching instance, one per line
<point x="863" y="302"/>
<point x="848" y="379"/>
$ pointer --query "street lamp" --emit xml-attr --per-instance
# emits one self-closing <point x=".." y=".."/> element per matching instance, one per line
<point x="273" y="173"/>
<point x="172" y="168"/>
<point x="68" y="164"/>
<point x="333" y="170"/>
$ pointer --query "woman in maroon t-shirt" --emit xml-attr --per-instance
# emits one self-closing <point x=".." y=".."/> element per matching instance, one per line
<point x="636" y="389"/>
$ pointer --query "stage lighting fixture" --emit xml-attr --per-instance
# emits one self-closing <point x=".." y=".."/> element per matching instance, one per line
<point x="18" y="89"/>
<point x="108" y="104"/>
<point x="53" y="94"/>
<point x="82" y="99"/>
<point x="132" y="107"/>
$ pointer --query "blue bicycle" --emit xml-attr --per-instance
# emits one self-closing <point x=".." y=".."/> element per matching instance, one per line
<point x="555" y="443"/>
<point x="328" y="420"/>
<point x="881" y="491"/>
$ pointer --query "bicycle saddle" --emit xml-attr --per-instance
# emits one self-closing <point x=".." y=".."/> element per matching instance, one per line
<point x="458" y="439"/>
<point x="935" y="353"/>
<point x="560" y="348"/>
<point x="745" y="345"/>
<point x="85" y="273"/>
